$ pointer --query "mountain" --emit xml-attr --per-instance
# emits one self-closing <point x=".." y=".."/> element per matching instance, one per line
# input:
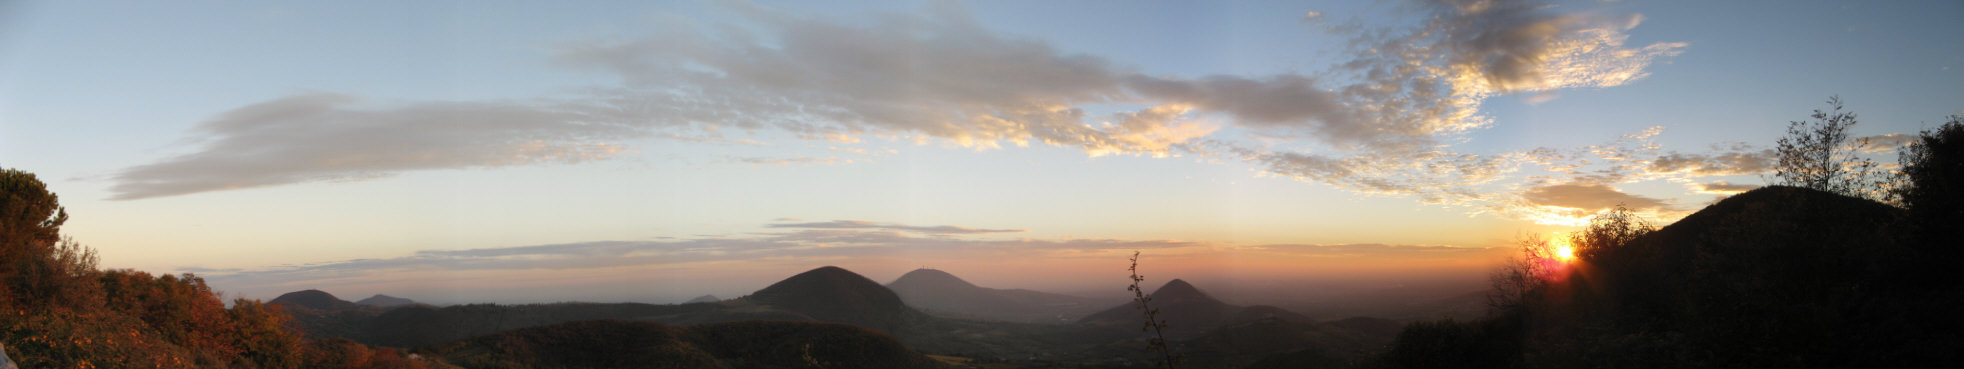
<point x="834" y="294"/>
<point x="384" y="301"/>
<point x="1188" y="311"/>
<point x="941" y="292"/>
<point x="313" y="299"/>
<point x="641" y="344"/>
<point x="703" y="298"/>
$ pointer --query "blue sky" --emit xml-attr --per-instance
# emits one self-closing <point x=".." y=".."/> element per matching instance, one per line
<point x="248" y="141"/>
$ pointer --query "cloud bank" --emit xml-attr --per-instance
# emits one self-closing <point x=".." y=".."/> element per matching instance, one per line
<point x="1386" y="121"/>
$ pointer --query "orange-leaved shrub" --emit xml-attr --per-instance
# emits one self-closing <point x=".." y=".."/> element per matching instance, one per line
<point x="57" y="310"/>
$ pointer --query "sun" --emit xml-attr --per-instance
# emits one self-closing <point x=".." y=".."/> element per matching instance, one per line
<point x="1562" y="250"/>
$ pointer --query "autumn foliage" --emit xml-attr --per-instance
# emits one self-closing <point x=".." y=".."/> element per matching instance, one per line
<point x="57" y="310"/>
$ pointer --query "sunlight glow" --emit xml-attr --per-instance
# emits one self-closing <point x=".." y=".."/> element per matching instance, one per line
<point x="1561" y="249"/>
<point x="1558" y="216"/>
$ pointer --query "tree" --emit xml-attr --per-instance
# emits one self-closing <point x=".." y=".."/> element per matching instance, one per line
<point x="1932" y="185"/>
<point x="30" y="228"/>
<point x="1818" y="154"/>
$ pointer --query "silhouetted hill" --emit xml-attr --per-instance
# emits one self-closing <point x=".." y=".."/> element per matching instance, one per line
<point x="944" y="293"/>
<point x="641" y="344"/>
<point x="834" y="294"/>
<point x="384" y="301"/>
<point x="777" y="344"/>
<point x="703" y="298"/>
<point x="313" y="299"/>
<point x="1778" y="276"/>
<point x="421" y="325"/>
<point x="930" y="278"/>
<point x="587" y="344"/>
<point x="1189" y="311"/>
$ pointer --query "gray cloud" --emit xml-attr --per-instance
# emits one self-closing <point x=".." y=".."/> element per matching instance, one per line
<point x="1505" y="46"/>
<point x="1590" y="197"/>
<point x="1715" y="164"/>
<point x="799" y="160"/>
<point x="1377" y="249"/>
<point x="1411" y="90"/>
<point x="1884" y="143"/>
<point x="327" y="137"/>
<point x="860" y="224"/>
<point x="941" y="76"/>
<point x="1722" y="188"/>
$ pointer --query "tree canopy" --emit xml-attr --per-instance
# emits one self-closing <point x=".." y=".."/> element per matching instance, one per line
<point x="1818" y="154"/>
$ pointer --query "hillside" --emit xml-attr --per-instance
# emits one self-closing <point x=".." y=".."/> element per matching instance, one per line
<point x="834" y="294"/>
<point x="1190" y="311"/>
<point x="943" y="293"/>
<point x="640" y="344"/>
<point x="1778" y="276"/>
<point x="384" y="301"/>
<point x="313" y="299"/>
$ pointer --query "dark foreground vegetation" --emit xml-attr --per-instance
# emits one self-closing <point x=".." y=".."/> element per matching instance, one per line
<point x="1807" y="276"/>
<point x="642" y="344"/>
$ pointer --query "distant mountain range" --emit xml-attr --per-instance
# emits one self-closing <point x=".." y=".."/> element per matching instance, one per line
<point x="323" y="301"/>
<point x="942" y="293"/>
<point x="385" y="301"/>
<point x="313" y="299"/>
<point x="1190" y="311"/>
<point x="968" y="321"/>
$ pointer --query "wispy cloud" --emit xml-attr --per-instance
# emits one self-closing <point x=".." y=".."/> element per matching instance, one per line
<point x="1380" y="250"/>
<point x="1715" y="164"/>
<point x="1721" y="188"/>
<point x="861" y="224"/>
<point x="1883" y="143"/>
<point x="799" y="160"/>
<point x="330" y="137"/>
<point x="1590" y="197"/>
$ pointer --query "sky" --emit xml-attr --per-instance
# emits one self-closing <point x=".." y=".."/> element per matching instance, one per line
<point x="453" y="151"/>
